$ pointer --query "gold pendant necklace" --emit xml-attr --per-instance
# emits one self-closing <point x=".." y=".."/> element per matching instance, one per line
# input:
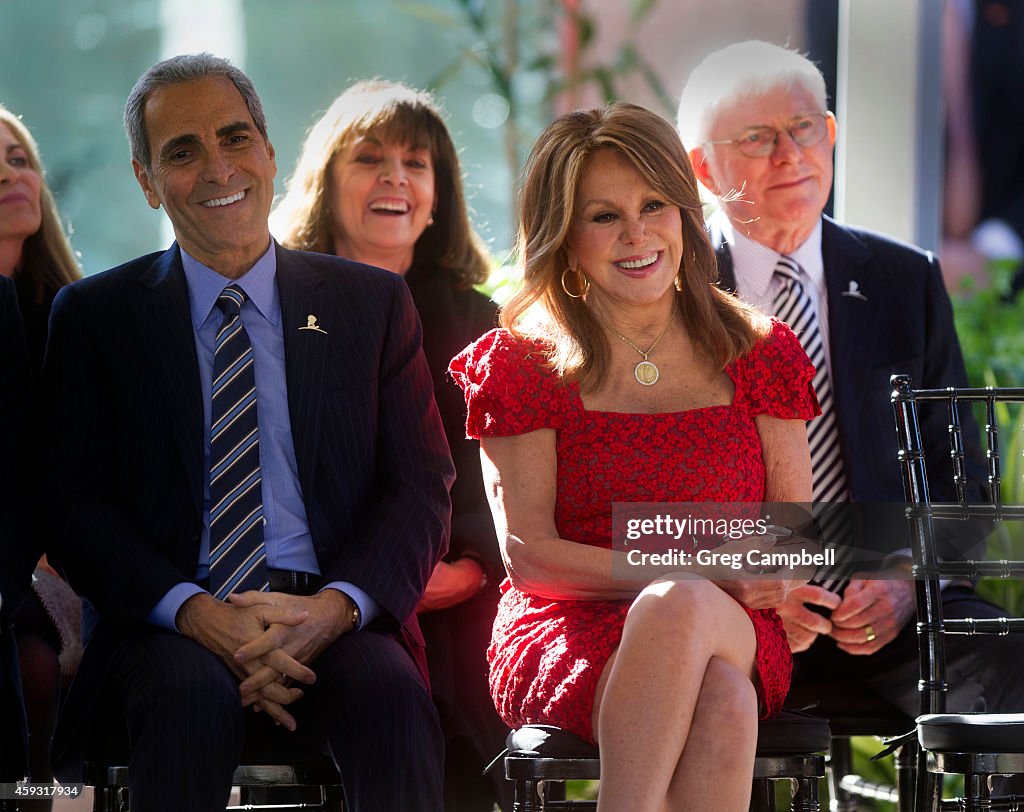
<point x="646" y="371"/>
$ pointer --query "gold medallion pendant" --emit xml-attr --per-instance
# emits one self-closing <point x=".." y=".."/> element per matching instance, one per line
<point x="646" y="373"/>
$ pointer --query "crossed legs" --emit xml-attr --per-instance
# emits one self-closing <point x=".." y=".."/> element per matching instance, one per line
<point x="676" y="709"/>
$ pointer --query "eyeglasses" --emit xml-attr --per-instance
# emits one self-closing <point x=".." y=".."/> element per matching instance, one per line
<point x="806" y="131"/>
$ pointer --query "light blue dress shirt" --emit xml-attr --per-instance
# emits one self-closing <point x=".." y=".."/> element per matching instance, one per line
<point x="286" y="529"/>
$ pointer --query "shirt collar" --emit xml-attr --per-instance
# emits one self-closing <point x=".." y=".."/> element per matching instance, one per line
<point x="758" y="261"/>
<point x="808" y="257"/>
<point x="205" y="285"/>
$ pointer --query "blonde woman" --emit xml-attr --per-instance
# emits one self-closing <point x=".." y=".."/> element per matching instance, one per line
<point x="35" y="252"/>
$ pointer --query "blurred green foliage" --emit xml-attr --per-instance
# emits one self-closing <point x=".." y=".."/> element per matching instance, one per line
<point x="991" y="330"/>
<point x="990" y="324"/>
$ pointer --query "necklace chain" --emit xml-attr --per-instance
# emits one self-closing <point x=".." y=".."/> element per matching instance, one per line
<point x="664" y="332"/>
<point x="646" y="372"/>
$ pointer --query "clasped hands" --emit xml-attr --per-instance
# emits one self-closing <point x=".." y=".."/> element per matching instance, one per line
<point x="868" y="616"/>
<point x="267" y="639"/>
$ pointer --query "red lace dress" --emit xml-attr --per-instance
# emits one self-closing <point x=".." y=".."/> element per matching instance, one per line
<point x="546" y="655"/>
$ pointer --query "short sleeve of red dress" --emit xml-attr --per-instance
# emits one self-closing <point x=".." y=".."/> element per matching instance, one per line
<point x="775" y="377"/>
<point x="508" y="387"/>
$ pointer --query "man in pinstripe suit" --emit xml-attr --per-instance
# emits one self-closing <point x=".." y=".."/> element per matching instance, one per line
<point x="754" y="118"/>
<point x="352" y="476"/>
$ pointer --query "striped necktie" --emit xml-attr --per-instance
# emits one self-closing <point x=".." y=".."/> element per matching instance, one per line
<point x="793" y="305"/>
<point x="237" y="554"/>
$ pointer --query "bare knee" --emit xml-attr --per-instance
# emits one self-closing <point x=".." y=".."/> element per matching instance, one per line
<point x="691" y="617"/>
<point x="677" y="608"/>
<point x="730" y="697"/>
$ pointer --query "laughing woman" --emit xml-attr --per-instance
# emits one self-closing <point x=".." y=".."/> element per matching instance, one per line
<point x="378" y="181"/>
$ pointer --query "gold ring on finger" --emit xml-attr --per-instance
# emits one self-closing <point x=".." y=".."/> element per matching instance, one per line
<point x="869" y="632"/>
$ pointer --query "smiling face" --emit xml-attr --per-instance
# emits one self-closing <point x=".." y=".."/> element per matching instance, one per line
<point x="20" y="184"/>
<point x="625" y="236"/>
<point x="212" y="171"/>
<point x="783" y="193"/>
<point x="381" y="199"/>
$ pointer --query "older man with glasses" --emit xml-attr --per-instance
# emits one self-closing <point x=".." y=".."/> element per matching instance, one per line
<point x="760" y="137"/>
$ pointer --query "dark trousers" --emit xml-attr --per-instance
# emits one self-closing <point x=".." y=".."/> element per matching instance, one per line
<point x="983" y="672"/>
<point x="368" y="709"/>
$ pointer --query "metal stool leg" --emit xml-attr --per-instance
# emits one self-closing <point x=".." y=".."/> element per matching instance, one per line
<point x="976" y="793"/>
<point x="526" y="798"/>
<point x="905" y="759"/>
<point x="762" y="796"/>
<point x="805" y="795"/>
<point x="840" y="763"/>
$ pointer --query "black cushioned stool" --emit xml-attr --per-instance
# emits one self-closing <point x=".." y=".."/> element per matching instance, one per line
<point x="266" y="779"/>
<point x="539" y="759"/>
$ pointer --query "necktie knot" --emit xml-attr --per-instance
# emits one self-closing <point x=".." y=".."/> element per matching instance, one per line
<point x="787" y="270"/>
<point x="231" y="300"/>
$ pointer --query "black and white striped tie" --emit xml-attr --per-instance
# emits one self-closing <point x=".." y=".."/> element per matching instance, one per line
<point x="792" y="304"/>
<point x="237" y="553"/>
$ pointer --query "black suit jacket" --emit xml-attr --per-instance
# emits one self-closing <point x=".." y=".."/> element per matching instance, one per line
<point x="18" y="553"/>
<point x="128" y="470"/>
<point x="454" y="318"/>
<point x="902" y="322"/>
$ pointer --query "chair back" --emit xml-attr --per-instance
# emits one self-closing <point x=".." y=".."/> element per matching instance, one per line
<point x="952" y="539"/>
<point x="946" y="537"/>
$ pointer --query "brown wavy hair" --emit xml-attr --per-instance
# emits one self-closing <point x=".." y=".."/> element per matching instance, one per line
<point x="718" y="322"/>
<point x="46" y="256"/>
<point x="394" y="113"/>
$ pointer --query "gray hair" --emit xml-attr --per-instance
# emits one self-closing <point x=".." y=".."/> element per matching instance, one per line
<point x="739" y="71"/>
<point x="174" y="71"/>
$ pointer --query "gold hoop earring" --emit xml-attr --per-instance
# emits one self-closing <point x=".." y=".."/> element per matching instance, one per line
<point x="584" y="285"/>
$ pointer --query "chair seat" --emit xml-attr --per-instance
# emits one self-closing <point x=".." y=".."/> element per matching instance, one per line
<point x="790" y="733"/>
<point x="851" y="708"/>
<point x="793" y="732"/>
<point x="972" y="732"/>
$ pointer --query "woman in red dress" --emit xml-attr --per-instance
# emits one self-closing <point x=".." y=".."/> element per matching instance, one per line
<point x="623" y="374"/>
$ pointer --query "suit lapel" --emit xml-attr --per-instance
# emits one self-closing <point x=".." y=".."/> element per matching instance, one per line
<point x="852" y="316"/>
<point x="163" y="316"/>
<point x="305" y="352"/>
<point x="726" y="275"/>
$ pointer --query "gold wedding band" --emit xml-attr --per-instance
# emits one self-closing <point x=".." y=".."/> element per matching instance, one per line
<point x="869" y="632"/>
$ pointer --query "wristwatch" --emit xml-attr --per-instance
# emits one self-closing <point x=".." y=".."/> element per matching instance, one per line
<point x="357" y="616"/>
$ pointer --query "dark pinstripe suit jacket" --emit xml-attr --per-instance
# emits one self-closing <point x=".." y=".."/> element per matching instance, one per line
<point x="901" y="321"/>
<point x="127" y="452"/>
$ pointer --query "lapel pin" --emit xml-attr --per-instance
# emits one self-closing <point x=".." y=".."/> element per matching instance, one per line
<point x="312" y="325"/>
<point x="854" y="291"/>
